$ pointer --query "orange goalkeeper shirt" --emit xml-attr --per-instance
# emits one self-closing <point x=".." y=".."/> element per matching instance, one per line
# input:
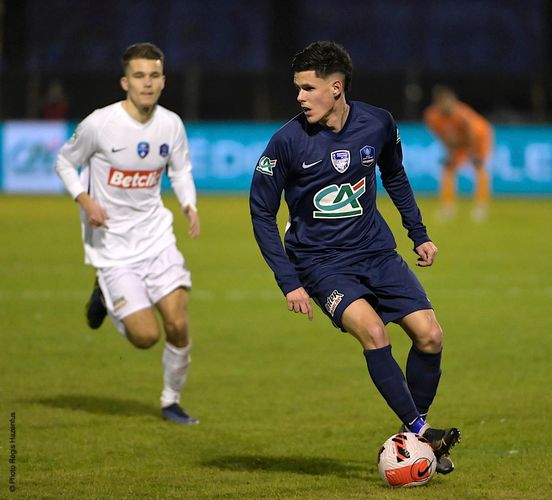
<point x="464" y="132"/>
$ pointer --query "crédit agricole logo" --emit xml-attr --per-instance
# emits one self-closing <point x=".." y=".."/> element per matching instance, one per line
<point x="335" y="202"/>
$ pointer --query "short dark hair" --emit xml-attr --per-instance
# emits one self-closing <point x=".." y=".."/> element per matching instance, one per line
<point x="325" y="58"/>
<point x="142" y="50"/>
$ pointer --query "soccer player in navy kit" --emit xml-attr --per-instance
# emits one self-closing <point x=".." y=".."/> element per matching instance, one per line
<point x="338" y="248"/>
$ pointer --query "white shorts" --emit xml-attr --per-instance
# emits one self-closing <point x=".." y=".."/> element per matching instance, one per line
<point x="127" y="289"/>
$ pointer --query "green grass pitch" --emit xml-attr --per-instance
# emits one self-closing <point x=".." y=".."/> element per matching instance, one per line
<point x="286" y="405"/>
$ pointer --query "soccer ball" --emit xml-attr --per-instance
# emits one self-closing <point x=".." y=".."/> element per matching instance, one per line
<point x="406" y="459"/>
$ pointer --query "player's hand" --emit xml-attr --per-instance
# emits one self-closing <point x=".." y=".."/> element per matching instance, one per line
<point x="298" y="301"/>
<point x="95" y="213"/>
<point x="427" y="252"/>
<point x="193" y="221"/>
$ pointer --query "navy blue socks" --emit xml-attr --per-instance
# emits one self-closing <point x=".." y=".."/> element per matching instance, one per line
<point x="423" y="371"/>
<point x="390" y="382"/>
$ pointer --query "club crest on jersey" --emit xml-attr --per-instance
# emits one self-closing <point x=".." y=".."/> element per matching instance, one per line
<point x="367" y="155"/>
<point x="333" y="301"/>
<point x="143" y="149"/>
<point x="339" y="202"/>
<point x="341" y="160"/>
<point x="266" y="165"/>
<point x="164" y="150"/>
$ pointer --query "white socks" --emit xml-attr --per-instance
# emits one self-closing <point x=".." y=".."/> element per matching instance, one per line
<point x="175" y="366"/>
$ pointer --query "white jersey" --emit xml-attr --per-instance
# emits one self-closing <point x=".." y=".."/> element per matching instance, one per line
<point x="122" y="165"/>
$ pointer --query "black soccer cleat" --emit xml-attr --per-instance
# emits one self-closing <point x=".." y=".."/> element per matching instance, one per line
<point x="442" y="441"/>
<point x="176" y="414"/>
<point x="95" y="308"/>
<point x="444" y="463"/>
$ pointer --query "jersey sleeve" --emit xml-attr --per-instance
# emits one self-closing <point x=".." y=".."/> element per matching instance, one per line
<point x="180" y="170"/>
<point x="264" y="202"/>
<point x="431" y="119"/>
<point x="397" y="185"/>
<point x="74" y="153"/>
<point x="436" y="122"/>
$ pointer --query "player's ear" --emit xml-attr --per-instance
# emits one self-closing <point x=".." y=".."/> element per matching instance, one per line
<point x="337" y="88"/>
<point x="124" y="83"/>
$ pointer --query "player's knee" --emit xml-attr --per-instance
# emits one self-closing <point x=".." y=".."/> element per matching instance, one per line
<point x="378" y="334"/>
<point x="144" y="339"/>
<point x="176" y="330"/>
<point x="372" y="335"/>
<point x="432" y="340"/>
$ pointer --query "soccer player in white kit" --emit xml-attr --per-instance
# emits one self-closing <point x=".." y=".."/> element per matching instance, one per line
<point x="128" y="237"/>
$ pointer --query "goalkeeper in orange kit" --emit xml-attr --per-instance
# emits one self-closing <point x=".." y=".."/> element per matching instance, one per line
<point x="467" y="137"/>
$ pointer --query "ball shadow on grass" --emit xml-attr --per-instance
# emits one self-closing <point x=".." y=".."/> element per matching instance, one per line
<point x="294" y="464"/>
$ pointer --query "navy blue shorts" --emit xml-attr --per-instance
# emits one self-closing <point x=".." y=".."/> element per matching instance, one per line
<point x="384" y="280"/>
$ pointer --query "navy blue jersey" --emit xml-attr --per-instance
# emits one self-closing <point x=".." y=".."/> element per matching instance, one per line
<point x="329" y="184"/>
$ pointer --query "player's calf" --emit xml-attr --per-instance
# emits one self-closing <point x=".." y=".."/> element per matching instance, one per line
<point x="177" y="331"/>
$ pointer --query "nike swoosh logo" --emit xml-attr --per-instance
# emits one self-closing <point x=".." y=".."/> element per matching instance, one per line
<point x="422" y="473"/>
<point x="309" y="165"/>
<point x="116" y="150"/>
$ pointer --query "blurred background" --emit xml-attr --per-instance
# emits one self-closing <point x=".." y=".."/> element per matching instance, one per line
<point x="229" y="61"/>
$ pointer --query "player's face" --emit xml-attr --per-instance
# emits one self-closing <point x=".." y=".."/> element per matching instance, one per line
<point x="317" y="96"/>
<point x="143" y="82"/>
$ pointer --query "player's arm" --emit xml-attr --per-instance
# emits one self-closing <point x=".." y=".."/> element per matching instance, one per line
<point x="182" y="182"/>
<point x="96" y="214"/>
<point x="76" y="151"/>
<point x="434" y="123"/>
<point x="397" y="185"/>
<point x="264" y="202"/>
<point x="471" y="132"/>
<point x="472" y="145"/>
<point x="472" y="138"/>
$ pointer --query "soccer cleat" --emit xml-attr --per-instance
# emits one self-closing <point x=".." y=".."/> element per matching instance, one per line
<point x="442" y="441"/>
<point x="95" y="308"/>
<point x="447" y="213"/>
<point x="444" y="463"/>
<point x="479" y="213"/>
<point x="175" y="413"/>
